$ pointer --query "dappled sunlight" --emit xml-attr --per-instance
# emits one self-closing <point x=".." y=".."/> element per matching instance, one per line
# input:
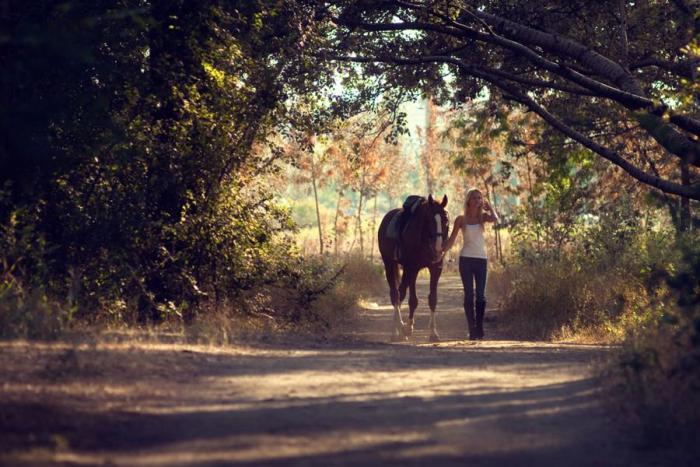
<point x="319" y="232"/>
<point x="358" y="401"/>
<point x="170" y="404"/>
<point x="280" y="448"/>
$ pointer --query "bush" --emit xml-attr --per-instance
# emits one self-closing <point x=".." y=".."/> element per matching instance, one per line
<point x="654" y="380"/>
<point x="318" y="296"/>
<point x="324" y="288"/>
<point x="602" y="283"/>
<point x="29" y="313"/>
<point x="145" y="200"/>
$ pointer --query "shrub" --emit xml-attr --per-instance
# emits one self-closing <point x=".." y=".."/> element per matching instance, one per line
<point x="324" y="288"/>
<point x="28" y="313"/>
<point x="603" y="282"/>
<point x="654" y="380"/>
<point x="317" y="296"/>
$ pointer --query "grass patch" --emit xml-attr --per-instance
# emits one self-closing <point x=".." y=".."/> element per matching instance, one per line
<point x="316" y="301"/>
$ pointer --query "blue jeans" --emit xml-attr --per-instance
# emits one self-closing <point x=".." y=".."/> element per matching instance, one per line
<point x="473" y="270"/>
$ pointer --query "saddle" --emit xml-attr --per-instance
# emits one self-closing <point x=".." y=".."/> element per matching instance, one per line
<point x="398" y="223"/>
<point x="401" y="219"/>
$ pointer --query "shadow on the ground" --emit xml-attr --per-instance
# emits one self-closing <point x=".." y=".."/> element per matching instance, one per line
<point x="361" y="401"/>
<point x="553" y="406"/>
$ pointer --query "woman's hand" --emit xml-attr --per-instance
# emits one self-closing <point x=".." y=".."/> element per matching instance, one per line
<point x="491" y="214"/>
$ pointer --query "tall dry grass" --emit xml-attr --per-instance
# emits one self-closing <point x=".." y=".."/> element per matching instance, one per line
<point x="557" y="299"/>
<point x="597" y="288"/>
<point x="27" y="312"/>
<point x="653" y="384"/>
<point x="316" y="301"/>
<point x="319" y="302"/>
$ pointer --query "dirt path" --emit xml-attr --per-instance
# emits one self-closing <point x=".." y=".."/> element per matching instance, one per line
<point x="368" y="402"/>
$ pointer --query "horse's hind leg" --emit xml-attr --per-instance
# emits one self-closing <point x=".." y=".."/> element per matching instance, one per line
<point x="435" y="273"/>
<point x="391" y="268"/>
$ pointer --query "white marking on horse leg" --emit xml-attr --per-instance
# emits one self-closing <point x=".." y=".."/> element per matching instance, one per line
<point x="433" y="326"/>
<point x="398" y="321"/>
<point x="409" y="326"/>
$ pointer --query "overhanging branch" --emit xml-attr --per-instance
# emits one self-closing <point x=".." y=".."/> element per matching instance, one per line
<point x="692" y="192"/>
<point x="648" y="113"/>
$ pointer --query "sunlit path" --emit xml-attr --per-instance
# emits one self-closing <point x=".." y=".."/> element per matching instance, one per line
<point x="495" y="402"/>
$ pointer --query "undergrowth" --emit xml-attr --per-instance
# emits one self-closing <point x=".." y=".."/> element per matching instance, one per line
<point x="315" y="301"/>
<point x="597" y="287"/>
<point x="653" y="381"/>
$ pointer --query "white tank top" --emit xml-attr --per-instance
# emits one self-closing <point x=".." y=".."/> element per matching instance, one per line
<point x="474" y="243"/>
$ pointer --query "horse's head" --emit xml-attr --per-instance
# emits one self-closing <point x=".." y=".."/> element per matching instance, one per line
<point x="435" y="225"/>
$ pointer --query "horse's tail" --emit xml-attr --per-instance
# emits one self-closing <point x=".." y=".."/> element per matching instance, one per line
<point x="397" y="274"/>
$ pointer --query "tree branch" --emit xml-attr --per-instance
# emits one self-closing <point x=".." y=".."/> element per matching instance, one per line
<point x="647" y="112"/>
<point x="687" y="69"/>
<point x="657" y="182"/>
<point x="539" y="83"/>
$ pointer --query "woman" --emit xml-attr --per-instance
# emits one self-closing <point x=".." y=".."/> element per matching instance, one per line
<point x="472" y="258"/>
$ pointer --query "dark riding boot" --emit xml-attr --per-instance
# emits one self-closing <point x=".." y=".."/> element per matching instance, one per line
<point x="469" y="312"/>
<point x="479" y="327"/>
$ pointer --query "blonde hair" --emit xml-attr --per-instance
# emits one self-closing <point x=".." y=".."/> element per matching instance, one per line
<point x="467" y="197"/>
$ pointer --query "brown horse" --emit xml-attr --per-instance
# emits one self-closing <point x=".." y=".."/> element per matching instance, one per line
<point x="420" y="247"/>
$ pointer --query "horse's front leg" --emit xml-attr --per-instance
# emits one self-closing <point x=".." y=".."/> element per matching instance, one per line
<point x="410" y="281"/>
<point x="396" y="299"/>
<point x="399" y="334"/>
<point x="435" y="272"/>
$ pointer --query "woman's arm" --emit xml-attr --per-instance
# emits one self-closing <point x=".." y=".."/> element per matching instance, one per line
<point x="491" y="215"/>
<point x="455" y="231"/>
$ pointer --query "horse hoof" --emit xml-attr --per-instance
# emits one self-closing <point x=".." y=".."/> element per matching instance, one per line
<point x="434" y="338"/>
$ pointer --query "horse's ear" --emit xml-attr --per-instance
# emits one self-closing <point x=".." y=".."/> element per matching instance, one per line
<point x="444" y="201"/>
<point x="430" y="198"/>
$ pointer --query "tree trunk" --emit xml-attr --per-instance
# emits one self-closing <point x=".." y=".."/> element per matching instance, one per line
<point x="359" y="223"/>
<point x="685" y="214"/>
<point x="531" y="198"/>
<point x="335" y="223"/>
<point x="497" y="232"/>
<point x="318" y="212"/>
<point x="374" y="226"/>
<point x="428" y="148"/>
<point x="490" y="197"/>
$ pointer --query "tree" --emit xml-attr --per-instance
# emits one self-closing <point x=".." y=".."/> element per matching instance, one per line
<point x="582" y="67"/>
<point x="363" y="157"/>
<point x="310" y="170"/>
<point x="477" y="137"/>
<point x="127" y="144"/>
<point x="432" y="155"/>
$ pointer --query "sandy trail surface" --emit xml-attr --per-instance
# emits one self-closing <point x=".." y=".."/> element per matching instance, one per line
<point x="362" y="401"/>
